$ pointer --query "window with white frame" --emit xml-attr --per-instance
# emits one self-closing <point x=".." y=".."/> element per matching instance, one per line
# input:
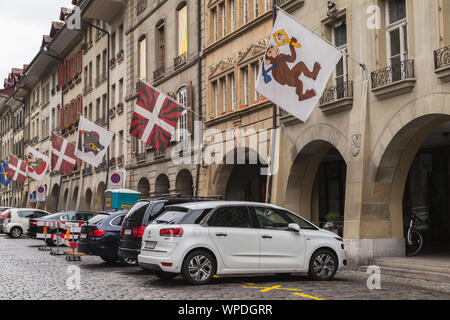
<point x="223" y="84"/>
<point x="255" y="8"/>
<point x="396" y="28"/>
<point x="232" y="15"/>
<point x="255" y="79"/>
<point x="266" y="5"/>
<point x="223" y="19"/>
<point x="214" y="15"/>
<point x="245" y="11"/>
<point x="216" y="98"/>
<point x="339" y="38"/>
<point x="180" y="132"/>
<point x="246" y="89"/>
<point x="233" y="90"/>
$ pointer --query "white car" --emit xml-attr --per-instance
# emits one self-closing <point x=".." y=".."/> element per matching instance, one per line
<point x="16" y="223"/>
<point x="200" y="240"/>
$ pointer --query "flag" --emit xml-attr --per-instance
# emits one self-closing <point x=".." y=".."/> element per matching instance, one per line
<point x="155" y="117"/>
<point x="296" y="67"/>
<point x="92" y="142"/>
<point x="63" y="157"/>
<point x="4" y="180"/>
<point x="37" y="164"/>
<point x="17" y="169"/>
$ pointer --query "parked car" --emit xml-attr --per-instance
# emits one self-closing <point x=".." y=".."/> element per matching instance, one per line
<point x="3" y="215"/>
<point x="65" y="216"/>
<point x="100" y="236"/>
<point x="199" y="240"/>
<point x="16" y="222"/>
<point x="141" y="215"/>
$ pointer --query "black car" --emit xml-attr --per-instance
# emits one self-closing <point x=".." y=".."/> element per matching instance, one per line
<point x="141" y="215"/>
<point x="100" y="236"/>
<point x="66" y="216"/>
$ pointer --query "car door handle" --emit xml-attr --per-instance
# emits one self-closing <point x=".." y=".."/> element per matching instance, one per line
<point x="221" y="234"/>
<point x="266" y="237"/>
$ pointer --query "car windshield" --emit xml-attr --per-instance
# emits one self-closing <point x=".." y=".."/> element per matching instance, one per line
<point x="96" y="220"/>
<point x="52" y="216"/>
<point x="137" y="213"/>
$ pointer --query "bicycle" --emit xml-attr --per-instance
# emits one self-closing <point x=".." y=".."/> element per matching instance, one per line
<point x="414" y="240"/>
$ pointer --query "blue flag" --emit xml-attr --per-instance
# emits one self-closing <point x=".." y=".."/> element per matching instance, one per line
<point x="4" y="180"/>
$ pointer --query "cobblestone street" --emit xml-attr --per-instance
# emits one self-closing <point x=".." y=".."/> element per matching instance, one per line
<point x="27" y="273"/>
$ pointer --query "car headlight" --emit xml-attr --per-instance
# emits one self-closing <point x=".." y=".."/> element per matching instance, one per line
<point x="339" y="239"/>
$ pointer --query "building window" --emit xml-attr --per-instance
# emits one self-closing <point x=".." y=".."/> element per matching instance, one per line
<point x="255" y="8"/>
<point x="233" y="91"/>
<point x="121" y="142"/>
<point x="255" y="79"/>
<point x="113" y="95"/>
<point x="121" y="38"/>
<point x="245" y="11"/>
<point x="232" y="15"/>
<point x="142" y="68"/>
<point x="214" y="15"/>
<point x="339" y="38"/>
<point x="266" y="5"/>
<point x="182" y="30"/>
<point x="113" y="44"/>
<point x="161" y="46"/>
<point x="246" y="88"/>
<point x="223" y="85"/>
<point x="121" y="90"/>
<point x="397" y="48"/>
<point x="141" y="6"/>
<point x="216" y="98"/>
<point x="180" y="134"/>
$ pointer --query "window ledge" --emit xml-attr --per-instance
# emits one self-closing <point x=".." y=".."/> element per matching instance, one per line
<point x="395" y="89"/>
<point x="289" y="120"/>
<point x="443" y="74"/>
<point x="337" y="106"/>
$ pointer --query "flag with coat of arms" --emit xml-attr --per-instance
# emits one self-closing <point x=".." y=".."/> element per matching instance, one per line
<point x="4" y="180"/>
<point x="38" y="164"/>
<point x="296" y="67"/>
<point x="155" y="117"/>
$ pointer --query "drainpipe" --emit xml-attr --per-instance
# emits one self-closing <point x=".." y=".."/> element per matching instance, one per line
<point x="199" y="87"/>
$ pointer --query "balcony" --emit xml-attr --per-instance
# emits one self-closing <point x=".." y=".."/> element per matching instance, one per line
<point x="34" y="141"/>
<point x="120" y="160"/>
<point x="180" y="61"/>
<point x="120" y="56"/>
<point x="101" y="167"/>
<point x="112" y="112"/>
<point x="393" y="80"/>
<point x="337" y="98"/>
<point x="112" y="162"/>
<point x="87" y="171"/>
<point x="159" y="154"/>
<point x="120" y="108"/>
<point x="442" y="63"/>
<point x="112" y="62"/>
<point x="101" y="121"/>
<point x="141" y="157"/>
<point x="159" y="73"/>
<point x="100" y="79"/>
<point x="87" y="88"/>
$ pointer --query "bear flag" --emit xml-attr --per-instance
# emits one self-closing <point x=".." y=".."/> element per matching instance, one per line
<point x="92" y="142"/>
<point x="296" y="67"/>
<point x="37" y="164"/>
<point x="155" y="117"/>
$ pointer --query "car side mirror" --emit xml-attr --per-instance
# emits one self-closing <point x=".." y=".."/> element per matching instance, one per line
<point x="294" y="227"/>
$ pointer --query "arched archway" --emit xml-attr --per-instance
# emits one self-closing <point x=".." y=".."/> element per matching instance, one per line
<point x="88" y="199"/>
<point x="242" y="178"/>
<point x="413" y="173"/>
<point x="99" y="199"/>
<point x="144" y="188"/>
<point x="162" y="185"/>
<point x="184" y="183"/>
<point x="73" y="200"/>
<point x="316" y="185"/>
<point x="53" y="198"/>
<point x="63" y="205"/>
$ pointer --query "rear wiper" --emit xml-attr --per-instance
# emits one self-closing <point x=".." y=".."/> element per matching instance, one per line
<point x="165" y="222"/>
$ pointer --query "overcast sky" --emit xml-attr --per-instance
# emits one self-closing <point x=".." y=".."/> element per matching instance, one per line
<point x="22" y="24"/>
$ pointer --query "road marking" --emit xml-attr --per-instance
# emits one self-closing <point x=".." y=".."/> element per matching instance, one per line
<point x="307" y="296"/>
<point x="279" y="287"/>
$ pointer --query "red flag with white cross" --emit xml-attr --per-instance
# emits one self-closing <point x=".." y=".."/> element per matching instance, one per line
<point x="155" y="117"/>
<point x="17" y="169"/>
<point x="63" y="155"/>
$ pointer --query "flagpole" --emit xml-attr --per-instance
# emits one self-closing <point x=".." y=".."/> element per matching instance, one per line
<point x="362" y="65"/>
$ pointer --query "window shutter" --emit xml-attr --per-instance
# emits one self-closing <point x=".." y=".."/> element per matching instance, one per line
<point x="189" y="107"/>
<point x="61" y="75"/>
<point x="61" y="119"/>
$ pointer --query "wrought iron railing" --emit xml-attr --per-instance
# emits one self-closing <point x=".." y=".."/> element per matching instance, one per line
<point x="339" y="91"/>
<point x="159" y="73"/>
<point x="180" y="60"/>
<point x="101" y="121"/>
<point x="119" y="107"/>
<point x="141" y="156"/>
<point x="393" y="73"/>
<point x="442" y="58"/>
<point x="159" y="154"/>
<point x="87" y="88"/>
<point x="87" y="171"/>
<point x="120" y="55"/>
<point x="120" y="160"/>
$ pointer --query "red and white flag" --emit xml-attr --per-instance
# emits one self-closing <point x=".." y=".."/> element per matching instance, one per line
<point x="155" y="117"/>
<point x="17" y="169"/>
<point x="63" y="155"/>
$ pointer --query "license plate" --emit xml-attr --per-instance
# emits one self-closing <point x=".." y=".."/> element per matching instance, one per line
<point x="83" y="236"/>
<point x="150" y="245"/>
<point x="127" y="232"/>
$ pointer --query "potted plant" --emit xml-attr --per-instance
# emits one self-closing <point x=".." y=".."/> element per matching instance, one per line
<point x="332" y="221"/>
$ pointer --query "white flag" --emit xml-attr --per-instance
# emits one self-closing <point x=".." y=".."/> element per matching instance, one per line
<point x="92" y="142"/>
<point x="296" y="67"/>
<point x="37" y="164"/>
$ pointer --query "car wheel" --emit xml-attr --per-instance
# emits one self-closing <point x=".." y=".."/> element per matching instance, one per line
<point x="128" y="261"/>
<point x="109" y="259"/>
<point x="15" y="233"/>
<point x="165" y="275"/>
<point x="323" y="265"/>
<point x="198" y="267"/>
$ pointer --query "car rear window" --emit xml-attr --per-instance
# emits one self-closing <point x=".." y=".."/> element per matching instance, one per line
<point x="96" y="220"/>
<point x="137" y="213"/>
<point x="182" y="216"/>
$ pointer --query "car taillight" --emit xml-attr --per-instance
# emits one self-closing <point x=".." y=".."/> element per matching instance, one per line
<point x="34" y="223"/>
<point x="138" y="232"/>
<point x="96" y="233"/>
<point x="121" y="231"/>
<point x="171" y="232"/>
